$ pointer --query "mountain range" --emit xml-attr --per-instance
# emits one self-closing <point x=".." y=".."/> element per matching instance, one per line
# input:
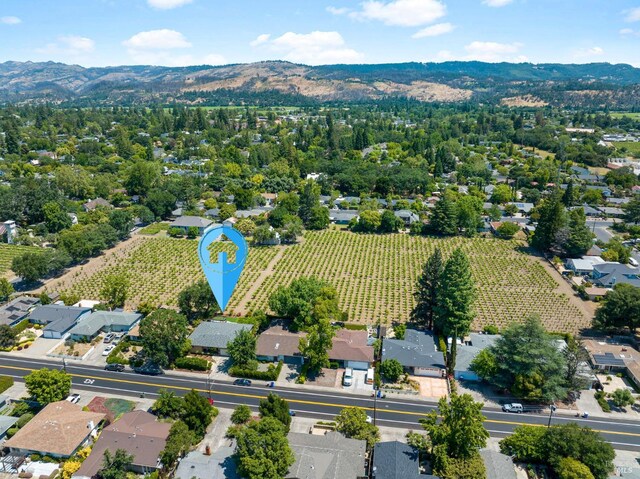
<point x="598" y="85"/>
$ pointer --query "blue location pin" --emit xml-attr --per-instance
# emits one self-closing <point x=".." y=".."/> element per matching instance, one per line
<point x="222" y="275"/>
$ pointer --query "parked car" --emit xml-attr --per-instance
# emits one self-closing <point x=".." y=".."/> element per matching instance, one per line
<point x="633" y="262"/>
<point x="108" y="350"/>
<point x="74" y="398"/>
<point x="347" y="380"/>
<point x="108" y="338"/>
<point x="242" y="382"/>
<point x="114" y="367"/>
<point x="369" y="419"/>
<point x="513" y="407"/>
<point x="149" y="369"/>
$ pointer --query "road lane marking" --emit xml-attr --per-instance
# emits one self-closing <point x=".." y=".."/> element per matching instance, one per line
<point x="300" y="401"/>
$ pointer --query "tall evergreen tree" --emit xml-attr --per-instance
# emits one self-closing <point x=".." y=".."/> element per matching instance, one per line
<point x="444" y="220"/>
<point x="309" y="199"/>
<point x="427" y="290"/>
<point x="552" y="219"/>
<point x="567" y="197"/>
<point x="454" y="309"/>
<point x="580" y="238"/>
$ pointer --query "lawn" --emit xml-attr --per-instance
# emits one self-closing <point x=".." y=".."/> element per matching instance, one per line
<point x="620" y="114"/>
<point x="154" y="228"/>
<point x="632" y="147"/>
<point x="375" y="276"/>
<point x="9" y="251"/>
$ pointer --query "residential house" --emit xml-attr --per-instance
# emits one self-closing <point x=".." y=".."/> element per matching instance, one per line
<point x="104" y="321"/>
<point x="350" y="349"/>
<point x="278" y="344"/>
<point x="608" y="356"/>
<point x="6" y="423"/>
<point x="607" y="275"/>
<point x="467" y="353"/>
<point x="93" y="204"/>
<point x="583" y="266"/>
<point x="8" y="231"/>
<point x="57" y="319"/>
<point x="498" y="465"/>
<point x="185" y="222"/>
<point x="137" y="432"/>
<point x="588" y="210"/>
<point x="59" y="430"/>
<point x="327" y="456"/>
<point x="17" y="310"/>
<point x="416" y="352"/>
<point x="212" y="213"/>
<point x="212" y="337"/>
<point x="524" y="208"/>
<point x="606" y="192"/>
<point x="134" y="334"/>
<point x="218" y="465"/>
<point x="407" y="216"/>
<point x="611" y="212"/>
<point x="342" y="217"/>
<point x="397" y="460"/>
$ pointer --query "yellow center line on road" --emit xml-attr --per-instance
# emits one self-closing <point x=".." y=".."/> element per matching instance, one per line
<point x="297" y="401"/>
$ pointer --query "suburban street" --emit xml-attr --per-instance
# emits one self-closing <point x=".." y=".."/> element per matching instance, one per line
<point x="389" y="412"/>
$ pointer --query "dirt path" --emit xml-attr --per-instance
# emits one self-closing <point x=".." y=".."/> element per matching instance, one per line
<point x="588" y="308"/>
<point x="94" y="264"/>
<point x="242" y="305"/>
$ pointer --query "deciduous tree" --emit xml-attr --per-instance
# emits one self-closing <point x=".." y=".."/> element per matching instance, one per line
<point x="263" y="451"/>
<point x="48" y="385"/>
<point x="164" y="336"/>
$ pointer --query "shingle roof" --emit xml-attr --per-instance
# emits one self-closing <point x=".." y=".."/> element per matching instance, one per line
<point x="216" y="334"/>
<point x="330" y="456"/>
<point x="417" y="350"/>
<point x="137" y="432"/>
<point x="16" y="309"/>
<point x="396" y="460"/>
<point x="59" y="429"/>
<point x="50" y="313"/>
<point x="499" y="466"/>
<point x="6" y="422"/>
<point x="191" y="221"/>
<point x="97" y="320"/>
<point x="351" y="346"/>
<point x="276" y="341"/>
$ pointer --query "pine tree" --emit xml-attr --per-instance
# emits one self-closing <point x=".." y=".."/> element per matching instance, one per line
<point x="444" y="220"/>
<point x="427" y="290"/>
<point x="552" y="219"/>
<point x="580" y="237"/>
<point x="567" y="198"/>
<point x="454" y="309"/>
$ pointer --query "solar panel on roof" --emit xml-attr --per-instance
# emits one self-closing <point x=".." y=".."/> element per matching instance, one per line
<point x="608" y="359"/>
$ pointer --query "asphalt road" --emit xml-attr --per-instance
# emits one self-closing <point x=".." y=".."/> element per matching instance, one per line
<point x="322" y="405"/>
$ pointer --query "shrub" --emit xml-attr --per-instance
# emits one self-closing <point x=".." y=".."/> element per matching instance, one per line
<point x="269" y="375"/>
<point x="491" y="329"/>
<point x="194" y="364"/>
<point x="602" y="401"/>
<point x="5" y="383"/>
<point x="21" y="326"/>
<point x="24" y="419"/>
<point x="569" y="468"/>
<point x="241" y="414"/>
<point x="391" y="369"/>
<point x="12" y="430"/>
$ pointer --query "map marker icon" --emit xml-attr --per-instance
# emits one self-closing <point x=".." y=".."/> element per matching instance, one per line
<point x="222" y="270"/>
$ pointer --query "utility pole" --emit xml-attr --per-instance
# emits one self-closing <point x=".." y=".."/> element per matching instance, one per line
<point x="551" y="411"/>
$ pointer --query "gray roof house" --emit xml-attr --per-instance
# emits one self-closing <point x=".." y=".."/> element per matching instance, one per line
<point x="409" y="217"/>
<point x="186" y="222"/>
<point x="498" y="466"/>
<point x="523" y="207"/>
<point x="343" y="217"/>
<point x="17" y="309"/>
<point x="6" y="422"/>
<point x="468" y="352"/>
<point x="218" y="465"/>
<point x="326" y="457"/>
<point x="396" y="460"/>
<point x="107" y="321"/>
<point x="416" y="352"/>
<point x="213" y="336"/>
<point x="58" y="319"/>
<point x="608" y="275"/>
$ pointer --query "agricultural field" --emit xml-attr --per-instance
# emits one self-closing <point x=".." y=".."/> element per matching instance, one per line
<point x="374" y="275"/>
<point x="632" y="147"/>
<point x="8" y="252"/>
<point x="620" y="114"/>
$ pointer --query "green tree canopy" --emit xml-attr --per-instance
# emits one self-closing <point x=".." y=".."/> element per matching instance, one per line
<point x="263" y="451"/>
<point x="276" y="407"/>
<point x="391" y="369"/>
<point x="242" y="349"/>
<point x="7" y="336"/>
<point x="115" y="465"/>
<point x="164" y="336"/>
<point x="198" y="413"/>
<point x="115" y="290"/>
<point x="444" y="220"/>
<point x="315" y="346"/>
<point x="620" y="308"/>
<point x="353" y="423"/>
<point x="552" y="220"/>
<point x="197" y="301"/>
<point x="48" y="385"/>
<point x="427" y="290"/>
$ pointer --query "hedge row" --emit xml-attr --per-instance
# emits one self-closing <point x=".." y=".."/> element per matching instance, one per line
<point x="5" y="383"/>
<point x="194" y="364"/>
<point x="21" y="326"/>
<point x="270" y="375"/>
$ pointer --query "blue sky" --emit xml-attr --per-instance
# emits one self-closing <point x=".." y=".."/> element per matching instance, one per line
<point x="188" y="32"/>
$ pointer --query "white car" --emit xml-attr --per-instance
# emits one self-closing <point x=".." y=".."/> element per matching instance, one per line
<point x="108" y="350"/>
<point x="74" y="398"/>
<point x="369" y="419"/>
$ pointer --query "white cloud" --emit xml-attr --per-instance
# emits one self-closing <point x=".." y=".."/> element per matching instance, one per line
<point x="633" y="15"/>
<point x="68" y="46"/>
<point x="260" y="39"/>
<point x="587" y="53"/>
<point x="313" y="48"/>
<point x="337" y="11"/>
<point x="493" y="51"/>
<point x="626" y="31"/>
<point x="167" y="4"/>
<point x="403" y="13"/>
<point x="10" y="20"/>
<point x="434" y="30"/>
<point x="164" y="39"/>
<point x="496" y="3"/>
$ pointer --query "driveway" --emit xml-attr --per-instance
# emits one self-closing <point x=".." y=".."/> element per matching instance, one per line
<point x="432" y="388"/>
<point x="38" y="349"/>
